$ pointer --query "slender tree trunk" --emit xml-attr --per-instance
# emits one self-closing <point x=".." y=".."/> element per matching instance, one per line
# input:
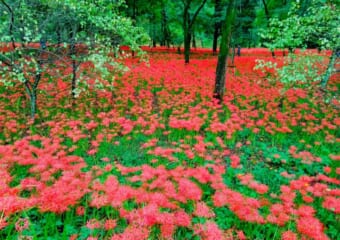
<point x="273" y="53"/>
<point x="33" y="103"/>
<point x="154" y="41"/>
<point x="188" y="23"/>
<point x="233" y="56"/>
<point x="72" y="53"/>
<point x="134" y="11"/>
<point x="152" y="31"/>
<point x="329" y="70"/>
<point x="58" y="37"/>
<point x="217" y="26"/>
<point x="134" y="18"/>
<point x="11" y="23"/>
<point x="187" y="41"/>
<point x="224" y="50"/>
<point x="193" y="39"/>
<point x="165" y="29"/>
<point x="186" y="30"/>
<point x="74" y="78"/>
<point x="31" y="90"/>
<point x="266" y="11"/>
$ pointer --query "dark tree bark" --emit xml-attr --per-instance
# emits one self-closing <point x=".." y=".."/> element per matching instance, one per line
<point x="217" y="27"/>
<point x="187" y="41"/>
<point x="152" y="29"/>
<point x="224" y="50"/>
<point x="166" y="38"/>
<point x="11" y="24"/>
<point x="72" y="54"/>
<point x="188" y="23"/>
<point x="134" y="11"/>
<point x="134" y="18"/>
<point x="31" y="90"/>
<point x="163" y="23"/>
<point x="194" y="39"/>
<point x="266" y="11"/>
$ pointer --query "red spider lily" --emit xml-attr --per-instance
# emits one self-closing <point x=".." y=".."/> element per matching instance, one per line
<point x="208" y="231"/>
<point x="311" y="227"/>
<point x="289" y="235"/>
<point x="159" y="102"/>
<point x="202" y="210"/>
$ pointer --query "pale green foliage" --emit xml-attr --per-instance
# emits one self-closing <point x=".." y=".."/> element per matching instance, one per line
<point x="105" y="68"/>
<point x="323" y="25"/>
<point x="283" y="34"/>
<point x="96" y="24"/>
<point x="104" y="15"/>
<point x="297" y="69"/>
<point x="309" y="24"/>
<point x="319" y="25"/>
<point x="63" y="26"/>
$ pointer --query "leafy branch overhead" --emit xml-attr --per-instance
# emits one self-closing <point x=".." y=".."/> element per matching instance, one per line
<point x="318" y="25"/>
<point x="41" y="33"/>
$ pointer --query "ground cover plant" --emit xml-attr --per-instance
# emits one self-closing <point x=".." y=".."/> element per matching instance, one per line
<point x="157" y="157"/>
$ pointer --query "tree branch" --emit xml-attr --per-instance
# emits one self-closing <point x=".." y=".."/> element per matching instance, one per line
<point x="196" y="13"/>
<point x="49" y="53"/>
<point x="5" y="60"/>
<point x="10" y="10"/>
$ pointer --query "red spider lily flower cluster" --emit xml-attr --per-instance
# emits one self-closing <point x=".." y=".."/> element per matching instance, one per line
<point x="59" y="165"/>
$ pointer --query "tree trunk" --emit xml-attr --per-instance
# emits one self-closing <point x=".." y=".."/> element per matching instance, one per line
<point x="152" y="31"/>
<point x="217" y="26"/>
<point x="74" y="78"/>
<point x="266" y="11"/>
<point x="58" y="37"/>
<point x="32" y="88"/>
<point x="188" y="23"/>
<point x="134" y="12"/>
<point x="233" y="56"/>
<point x="194" y="39"/>
<point x="187" y="34"/>
<point x="224" y="50"/>
<point x="32" y="92"/>
<point x="165" y="29"/>
<point x="329" y="70"/>
<point x="33" y="100"/>
<point x="11" y="24"/>
<point x="72" y="55"/>
<point x="134" y="18"/>
<point x="187" y="41"/>
<point x="273" y="53"/>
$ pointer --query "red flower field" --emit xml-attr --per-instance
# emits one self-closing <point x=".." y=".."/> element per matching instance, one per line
<point x="158" y="158"/>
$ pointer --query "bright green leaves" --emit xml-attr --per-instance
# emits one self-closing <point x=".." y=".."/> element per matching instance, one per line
<point x="317" y="26"/>
<point x="297" y="69"/>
